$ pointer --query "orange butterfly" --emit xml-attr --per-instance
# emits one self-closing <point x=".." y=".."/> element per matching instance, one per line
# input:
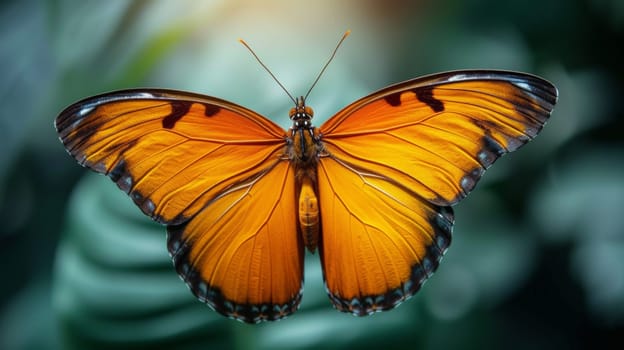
<point x="372" y="188"/>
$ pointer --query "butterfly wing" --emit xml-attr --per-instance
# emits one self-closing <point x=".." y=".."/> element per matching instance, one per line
<point x="393" y="164"/>
<point x="216" y="174"/>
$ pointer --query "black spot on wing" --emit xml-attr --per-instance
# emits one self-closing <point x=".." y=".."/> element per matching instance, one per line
<point x="120" y="174"/>
<point x="469" y="181"/>
<point x="120" y="169"/>
<point x="490" y="151"/>
<point x="181" y="108"/>
<point x="425" y="95"/>
<point x="394" y="99"/>
<point x="443" y="227"/>
<point x="211" y="110"/>
<point x="178" y="110"/>
<point x="442" y="224"/>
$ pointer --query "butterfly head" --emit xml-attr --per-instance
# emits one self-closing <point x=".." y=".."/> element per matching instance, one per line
<point x="301" y="114"/>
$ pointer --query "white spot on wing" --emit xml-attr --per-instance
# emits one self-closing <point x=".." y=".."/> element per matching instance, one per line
<point x="144" y="94"/>
<point x="85" y="110"/>
<point x="457" y="77"/>
<point x="149" y="206"/>
<point x="523" y="85"/>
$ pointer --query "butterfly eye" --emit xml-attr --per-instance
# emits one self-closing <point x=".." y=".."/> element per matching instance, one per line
<point x="309" y="111"/>
<point x="300" y="112"/>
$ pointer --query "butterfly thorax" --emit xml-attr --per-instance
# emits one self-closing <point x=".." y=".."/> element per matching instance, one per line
<point x="304" y="148"/>
<point x="304" y="139"/>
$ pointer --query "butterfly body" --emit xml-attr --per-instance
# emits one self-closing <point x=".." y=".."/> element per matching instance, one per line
<point x="371" y="188"/>
<point x="305" y="147"/>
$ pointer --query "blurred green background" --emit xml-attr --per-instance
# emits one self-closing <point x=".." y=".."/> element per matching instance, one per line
<point x="537" y="259"/>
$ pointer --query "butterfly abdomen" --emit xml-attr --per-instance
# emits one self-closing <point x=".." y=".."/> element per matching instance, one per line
<point x="309" y="215"/>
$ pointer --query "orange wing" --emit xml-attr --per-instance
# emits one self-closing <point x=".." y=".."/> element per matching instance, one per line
<point x="393" y="164"/>
<point x="201" y="166"/>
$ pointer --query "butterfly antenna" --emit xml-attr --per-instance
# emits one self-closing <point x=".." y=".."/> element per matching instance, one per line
<point x="344" y="36"/>
<point x="267" y="69"/>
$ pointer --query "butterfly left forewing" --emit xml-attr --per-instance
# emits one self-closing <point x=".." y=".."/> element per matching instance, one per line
<point x="394" y="161"/>
<point x="171" y="151"/>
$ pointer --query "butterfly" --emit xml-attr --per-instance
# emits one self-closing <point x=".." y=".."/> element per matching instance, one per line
<point x="371" y="188"/>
